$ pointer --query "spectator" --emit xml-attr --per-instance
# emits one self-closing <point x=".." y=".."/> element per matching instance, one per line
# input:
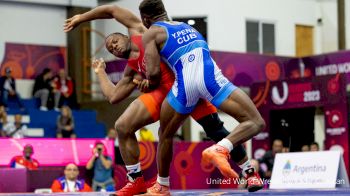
<point x="146" y="135"/>
<point x="25" y="160"/>
<point x="65" y="124"/>
<point x="3" y="120"/>
<point x="314" y="146"/>
<point x="285" y="149"/>
<point x="8" y="89"/>
<point x="269" y="157"/>
<point x="15" y="129"/>
<point x="305" y="148"/>
<point x="43" y="88"/>
<point x="113" y="135"/>
<point x="70" y="182"/>
<point x="64" y="86"/>
<point x="101" y="164"/>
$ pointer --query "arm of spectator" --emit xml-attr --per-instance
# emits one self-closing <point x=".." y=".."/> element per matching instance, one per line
<point x="56" y="187"/>
<point x="70" y="88"/>
<point x="36" y="163"/>
<point x="90" y="163"/>
<point x="72" y="123"/>
<point x="70" y="126"/>
<point x="14" y="86"/>
<point x="59" y="125"/>
<point x="7" y="129"/>
<point x="106" y="162"/>
<point x="2" y="133"/>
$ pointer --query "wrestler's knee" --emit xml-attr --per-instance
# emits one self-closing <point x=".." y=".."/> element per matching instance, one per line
<point x="122" y="128"/>
<point x="259" y="125"/>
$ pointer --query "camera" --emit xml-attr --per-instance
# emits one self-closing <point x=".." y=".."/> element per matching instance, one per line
<point x="99" y="150"/>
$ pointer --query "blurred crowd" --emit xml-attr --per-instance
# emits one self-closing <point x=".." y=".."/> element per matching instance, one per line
<point x="51" y="91"/>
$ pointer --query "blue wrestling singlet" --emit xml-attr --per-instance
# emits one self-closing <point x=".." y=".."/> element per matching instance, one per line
<point x="196" y="73"/>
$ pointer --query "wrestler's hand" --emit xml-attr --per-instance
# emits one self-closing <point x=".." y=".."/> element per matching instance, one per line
<point x="137" y="78"/>
<point x="98" y="65"/>
<point x="71" y="23"/>
<point x="142" y="85"/>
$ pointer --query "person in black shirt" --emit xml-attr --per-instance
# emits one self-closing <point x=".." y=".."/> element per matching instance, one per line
<point x="269" y="157"/>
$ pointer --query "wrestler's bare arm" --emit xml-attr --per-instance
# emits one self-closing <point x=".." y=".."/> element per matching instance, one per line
<point x="122" y="15"/>
<point x="118" y="92"/>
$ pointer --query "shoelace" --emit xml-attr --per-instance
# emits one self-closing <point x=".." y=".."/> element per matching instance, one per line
<point x="225" y="152"/>
<point x="128" y="185"/>
<point x="157" y="188"/>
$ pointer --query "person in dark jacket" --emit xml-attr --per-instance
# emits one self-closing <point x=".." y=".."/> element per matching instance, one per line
<point x="43" y="87"/>
<point x="269" y="157"/>
<point x="8" y="89"/>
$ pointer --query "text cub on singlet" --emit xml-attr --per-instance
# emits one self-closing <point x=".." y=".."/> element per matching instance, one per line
<point x="184" y="35"/>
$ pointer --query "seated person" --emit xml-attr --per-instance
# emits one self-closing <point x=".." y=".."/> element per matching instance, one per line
<point x="65" y="124"/>
<point x="3" y="120"/>
<point x="63" y="87"/>
<point x="269" y="157"/>
<point x="314" y="147"/>
<point x="8" y="89"/>
<point x="25" y="160"/>
<point x="15" y="129"/>
<point x="70" y="182"/>
<point x="101" y="164"/>
<point x="305" y="148"/>
<point x="43" y="87"/>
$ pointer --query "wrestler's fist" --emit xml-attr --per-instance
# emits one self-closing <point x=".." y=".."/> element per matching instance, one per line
<point x="137" y="78"/>
<point x="143" y="86"/>
<point x="98" y="65"/>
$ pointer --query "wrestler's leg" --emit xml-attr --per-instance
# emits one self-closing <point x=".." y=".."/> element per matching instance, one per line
<point x="134" y="117"/>
<point x="206" y="115"/>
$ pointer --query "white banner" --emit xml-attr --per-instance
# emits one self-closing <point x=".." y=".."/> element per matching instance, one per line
<point x="324" y="169"/>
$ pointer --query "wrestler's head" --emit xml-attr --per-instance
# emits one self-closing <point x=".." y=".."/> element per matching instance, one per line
<point x="151" y="10"/>
<point x="118" y="44"/>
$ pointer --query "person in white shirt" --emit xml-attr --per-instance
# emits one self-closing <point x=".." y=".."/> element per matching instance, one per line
<point x="15" y="129"/>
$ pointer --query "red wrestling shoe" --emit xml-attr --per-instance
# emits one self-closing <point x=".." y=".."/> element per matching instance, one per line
<point x="138" y="186"/>
<point x="218" y="156"/>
